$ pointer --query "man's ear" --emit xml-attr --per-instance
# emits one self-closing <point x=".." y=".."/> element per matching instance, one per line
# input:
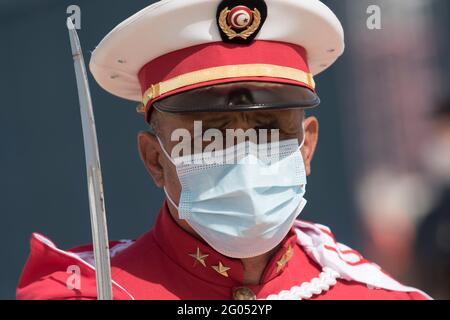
<point x="150" y="151"/>
<point x="311" y="137"/>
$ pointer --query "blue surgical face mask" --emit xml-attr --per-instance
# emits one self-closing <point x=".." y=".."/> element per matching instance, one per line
<point x="246" y="208"/>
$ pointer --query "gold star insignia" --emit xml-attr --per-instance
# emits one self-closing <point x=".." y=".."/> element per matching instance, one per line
<point x="199" y="257"/>
<point x="285" y="258"/>
<point x="289" y="253"/>
<point x="221" y="269"/>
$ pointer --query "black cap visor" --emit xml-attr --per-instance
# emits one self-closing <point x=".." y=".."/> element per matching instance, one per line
<point x="239" y="96"/>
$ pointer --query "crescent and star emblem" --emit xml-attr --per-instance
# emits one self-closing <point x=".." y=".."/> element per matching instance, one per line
<point x="239" y="18"/>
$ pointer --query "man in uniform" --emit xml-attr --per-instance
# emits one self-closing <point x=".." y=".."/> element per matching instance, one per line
<point x="227" y="230"/>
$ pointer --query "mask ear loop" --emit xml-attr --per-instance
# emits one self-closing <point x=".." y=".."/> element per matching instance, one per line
<point x="165" y="151"/>
<point x="170" y="199"/>
<point x="299" y="149"/>
<point x="173" y="162"/>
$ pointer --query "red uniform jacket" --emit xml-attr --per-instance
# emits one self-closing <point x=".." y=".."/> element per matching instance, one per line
<point x="168" y="263"/>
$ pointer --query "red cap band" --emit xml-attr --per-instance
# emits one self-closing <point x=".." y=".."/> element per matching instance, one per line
<point x="218" y="62"/>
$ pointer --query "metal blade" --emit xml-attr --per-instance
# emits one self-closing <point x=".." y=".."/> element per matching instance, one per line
<point x="94" y="175"/>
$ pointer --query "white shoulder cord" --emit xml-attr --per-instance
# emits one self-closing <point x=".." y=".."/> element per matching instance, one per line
<point x="306" y="290"/>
